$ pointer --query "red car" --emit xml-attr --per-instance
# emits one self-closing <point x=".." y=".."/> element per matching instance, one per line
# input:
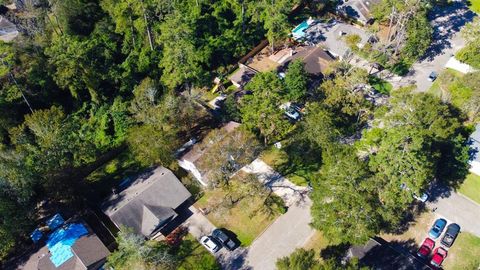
<point x="426" y="248"/>
<point x="438" y="257"/>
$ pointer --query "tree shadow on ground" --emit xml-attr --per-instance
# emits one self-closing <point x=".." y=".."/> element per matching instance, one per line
<point x="446" y="22"/>
<point x="335" y="252"/>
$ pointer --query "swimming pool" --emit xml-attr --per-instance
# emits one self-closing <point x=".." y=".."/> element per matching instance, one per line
<point x="299" y="31"/>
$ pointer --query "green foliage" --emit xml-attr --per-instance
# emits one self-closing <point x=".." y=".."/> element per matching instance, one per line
<point x="345" y="207"/>
<point x="261" y="111"/>
<point x="419" y="37"/>
<point x="470" y="54"/>
<point x="226" y="152"/>
<point x="296" y="81"/>
<point x="352" y="41"/>
<point x="135" y="253"/>
<point x="344" y="97"/>
<point x="302" y="259"/>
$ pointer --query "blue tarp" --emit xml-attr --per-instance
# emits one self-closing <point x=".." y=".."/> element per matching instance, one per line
<point x="36" y="235"/>
<point x="55" y="222"/>
<point x="60" y="242"/>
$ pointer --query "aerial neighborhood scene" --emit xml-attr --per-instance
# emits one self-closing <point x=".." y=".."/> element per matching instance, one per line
<point x="239" y="134"/>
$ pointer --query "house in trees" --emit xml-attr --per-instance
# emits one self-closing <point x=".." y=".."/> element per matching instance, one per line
<point x="67" y="245"/>
<point x="150" y="205"/>
<point x="358" y="10"/>
<point x="196" y="159"/>
<point x="8" y="31"/>
<point x="317" y="60"/>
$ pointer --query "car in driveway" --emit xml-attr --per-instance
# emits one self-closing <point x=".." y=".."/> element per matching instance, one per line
<point x="433" y="76"/>
<point x="438" y="257"/>
<point x="437" y="228"/>
<point x="426" y="248"/>
<point x="292" y="113"/>
<point x="223" y="238"/>
<point x="210" y="244"/>
<point x="450" y="235"/>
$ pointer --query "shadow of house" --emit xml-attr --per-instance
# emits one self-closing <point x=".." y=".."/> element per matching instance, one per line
<point x="381" y="255"/>
<point x="149" y="204"/>
<point x="71" y="246"/>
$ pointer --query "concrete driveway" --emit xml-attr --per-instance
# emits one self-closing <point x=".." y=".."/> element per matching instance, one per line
<point x="281" y="186"/>
<point x="288" y="232"/>
<point x="459" y="209"/>
<point x="198" y="225"/>
<point x="447" y="23"/>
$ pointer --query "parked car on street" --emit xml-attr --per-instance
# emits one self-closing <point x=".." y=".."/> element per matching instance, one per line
<point x="433" y="76"/>
<point x="439" y="256"/>
<point x="210" y="244"/>
<point x="426" y="248"/>
<point x="450" y="235"/>
<point x="223" y="238"/>
<point x="437" y="228"/>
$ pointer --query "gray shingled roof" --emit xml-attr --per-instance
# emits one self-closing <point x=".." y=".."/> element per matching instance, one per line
<point x="148" y="203"/>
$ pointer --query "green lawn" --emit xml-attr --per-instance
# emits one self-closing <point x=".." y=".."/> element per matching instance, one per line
<point x="297" y="171"/>
<point x="317" y="243"/>
<point x="474" y="5"/>
<point x="194" y="256"/>
<point x="452" y="76"/>
<point x="471" y="187"/>
<point x="246" y="218"/>
<point x="464" y="254"/>
<point x="380" y="85"/>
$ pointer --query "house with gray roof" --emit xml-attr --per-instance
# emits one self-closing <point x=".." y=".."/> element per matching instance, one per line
<point x="332" y="35"/>
<point x="150" y="204"/>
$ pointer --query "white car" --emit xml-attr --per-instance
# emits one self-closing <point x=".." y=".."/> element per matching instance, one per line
<point x="292" y="113"/>
<point x="210" y="244"/>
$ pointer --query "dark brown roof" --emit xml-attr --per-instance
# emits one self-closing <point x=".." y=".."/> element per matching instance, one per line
<point x="316" y="59"/>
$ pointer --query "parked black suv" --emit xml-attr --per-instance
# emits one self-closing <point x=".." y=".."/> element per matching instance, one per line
<point x="223" y="238"/>
<point x="450" y="235"/>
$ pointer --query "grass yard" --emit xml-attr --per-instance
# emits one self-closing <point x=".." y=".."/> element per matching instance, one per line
<point x="474" y="5"/>
<point x="318" y="242"/>
<point x="297" y="171"/>
<point x="471" y="187"/>
<point x="451" y="74"/>
<point x="417" y="231"/>
<point x="464" y="254"/>
<point x="380" y="85"/>
<point x="194" y="256"/>
<point x="246" y="218"/>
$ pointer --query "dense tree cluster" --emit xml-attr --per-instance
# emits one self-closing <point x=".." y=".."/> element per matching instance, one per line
<point x="88" y="77"/>
<point x="302" y="259"/>
<point x="369" y="186"/>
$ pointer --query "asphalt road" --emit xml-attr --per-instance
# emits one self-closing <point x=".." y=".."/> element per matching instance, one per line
<point x="447" y="23"/>
<point x="459" y="209"/>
